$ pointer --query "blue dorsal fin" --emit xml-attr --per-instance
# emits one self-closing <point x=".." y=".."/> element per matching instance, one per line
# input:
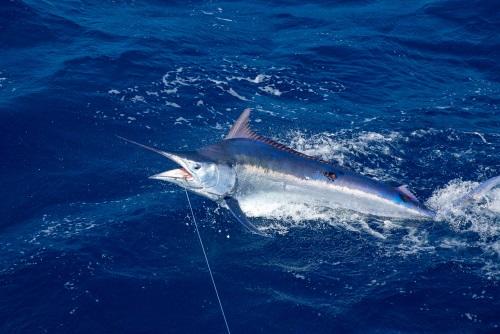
<point x="240" y="128"/>
<point x="405" y="191"/>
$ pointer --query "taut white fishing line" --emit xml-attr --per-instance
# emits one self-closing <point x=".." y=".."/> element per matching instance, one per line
<point x="208" y="264"/>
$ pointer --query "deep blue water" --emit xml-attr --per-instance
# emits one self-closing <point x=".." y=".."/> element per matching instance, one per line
<point x="407" y="93"/>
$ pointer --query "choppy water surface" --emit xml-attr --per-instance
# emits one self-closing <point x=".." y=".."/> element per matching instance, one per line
<point x="407" y="94"/>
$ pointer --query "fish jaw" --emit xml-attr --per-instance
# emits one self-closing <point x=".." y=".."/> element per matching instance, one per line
<point x="173" y="174"/>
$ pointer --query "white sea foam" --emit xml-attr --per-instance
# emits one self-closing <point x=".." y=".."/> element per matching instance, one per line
<point x="241" y="81"/>
<point x="223" y="19"/>
<point x="482" y="218"/>
<point x="271" y="90"/>
<point x="465" y="218"/>
<point x="346" y="147"/>
<point x="172" y="104"/>
<point x="259" y="78"/>
<point x="138" y="98"/>
<point x="233" y="93"/>
<point x="182" y="120"/>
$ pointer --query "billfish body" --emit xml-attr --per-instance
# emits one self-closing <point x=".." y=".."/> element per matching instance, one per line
<point x="265" y="171"/>
<point x="245" y="170"/>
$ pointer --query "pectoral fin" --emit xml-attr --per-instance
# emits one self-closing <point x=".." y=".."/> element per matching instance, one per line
<point x="235" y="209"/>
<point x="403" y="189"/>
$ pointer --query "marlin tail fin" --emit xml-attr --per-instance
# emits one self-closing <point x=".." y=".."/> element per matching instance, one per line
<point x="483" y="188"/>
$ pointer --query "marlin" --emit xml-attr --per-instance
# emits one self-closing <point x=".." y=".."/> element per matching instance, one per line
<point x="246" y="167"/>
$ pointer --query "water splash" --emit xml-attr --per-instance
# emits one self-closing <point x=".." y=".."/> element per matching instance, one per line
<point x="475" y="225"/>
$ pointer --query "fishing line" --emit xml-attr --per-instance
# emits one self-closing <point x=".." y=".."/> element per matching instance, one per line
<point x="206" y="260"/>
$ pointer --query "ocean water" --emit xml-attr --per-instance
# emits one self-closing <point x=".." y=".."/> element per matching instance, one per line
<point x="406" y="93"/>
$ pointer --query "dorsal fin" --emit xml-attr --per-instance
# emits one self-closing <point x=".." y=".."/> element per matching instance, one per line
<point x="240" y="128"/>
<point x="405" y="191"/>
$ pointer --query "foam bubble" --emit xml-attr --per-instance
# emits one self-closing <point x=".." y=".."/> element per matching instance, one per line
<point x="476" y="223"/>
<point x="351" y="149"/>
<point x="271" y="90"/>
<point x="233" y="77"/>
<point x="467" y="216"/>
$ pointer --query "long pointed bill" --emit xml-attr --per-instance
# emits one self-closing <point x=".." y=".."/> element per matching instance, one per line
<point x="173" y="174"/>
<point x="168" y="175"/>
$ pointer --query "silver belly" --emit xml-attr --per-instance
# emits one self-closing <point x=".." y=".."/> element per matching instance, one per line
<point x="262" y="192"/>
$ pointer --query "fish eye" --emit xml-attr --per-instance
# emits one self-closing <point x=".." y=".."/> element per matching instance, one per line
<point x="197" y="167"/>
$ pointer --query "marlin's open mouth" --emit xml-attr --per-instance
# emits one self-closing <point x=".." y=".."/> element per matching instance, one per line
<point x="179" y="173"/>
